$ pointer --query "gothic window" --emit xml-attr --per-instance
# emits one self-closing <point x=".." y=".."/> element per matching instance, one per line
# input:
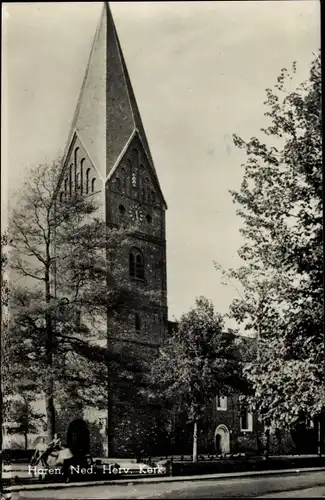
<point x="87" y="180"/>
<point x="149" y="218"/>
<point x="78" y="181"/>
<point x="61" y="196"/>
<point x="134" y="179"/>
<point x="93" y="181"/>
<point x="76" y="167"/>
<point x="221" y="402"/>
<point x="121" y="209"/>
<point x="135" y="157"/>
<point x="65" y="185"/>
<point x="246" y="420"/>
<point x="137" y="322"/>
<point x="153" y="196"/>
<point x="71" y="178"/>
<point x="76" y="157"/>
<point x="82" y="172"/>
<point x="136" y="264"/>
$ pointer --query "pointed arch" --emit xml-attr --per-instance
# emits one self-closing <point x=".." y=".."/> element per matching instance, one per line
<point x="71" y="183"/>
<point x="76" y="169"/>
<point x="135" y="157"/>
<point x="136" y="264"/>
<point x="87" y="180"/>
<point x="82" y="168"/>
<point x="76" y="156"/>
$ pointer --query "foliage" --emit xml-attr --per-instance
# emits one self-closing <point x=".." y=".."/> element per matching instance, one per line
<point x="22" y="413"/>
<point x="4" y="320"/>
<point x="196" y="362"/>
<point x="281" y="281"/>
<point x="64" y="301"/>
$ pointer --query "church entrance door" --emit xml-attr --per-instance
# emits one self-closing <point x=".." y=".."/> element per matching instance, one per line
<point x="222" y="439"/>
<point x="78" y="439"/>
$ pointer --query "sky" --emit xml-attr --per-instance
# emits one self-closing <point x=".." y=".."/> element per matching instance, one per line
<point x="199" y="71"/>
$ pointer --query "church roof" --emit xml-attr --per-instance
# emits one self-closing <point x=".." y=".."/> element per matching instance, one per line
<point x="107" y="114"/>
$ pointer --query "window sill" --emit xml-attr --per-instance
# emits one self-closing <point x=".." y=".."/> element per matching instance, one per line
<point x="246" y="430"/>
<point x="222" y="409"/>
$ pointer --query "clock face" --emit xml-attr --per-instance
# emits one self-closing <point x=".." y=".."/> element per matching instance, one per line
<point x="136" y="213"/>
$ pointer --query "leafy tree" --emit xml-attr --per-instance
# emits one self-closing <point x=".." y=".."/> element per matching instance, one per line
<point x="4" y="319"/>
<point x="280" y="283"/>
<point x="196" y="362"/>
<point x="64" y="299"/>
<point x="22" y="413"/>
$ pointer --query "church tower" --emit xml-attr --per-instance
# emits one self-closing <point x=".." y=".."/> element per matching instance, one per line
<point x="108" y="157"/>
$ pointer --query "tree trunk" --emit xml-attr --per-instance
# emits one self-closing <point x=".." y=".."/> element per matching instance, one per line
<point x="110" y="426"/>
<point x="49" y="382"/>
<point x="110" y="399"/>
<point x="319" y="446"/>
<point x="195" y="441"/>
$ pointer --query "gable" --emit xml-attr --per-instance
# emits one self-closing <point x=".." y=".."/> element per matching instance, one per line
<point x="135" y="176"/>
<point x="79" y="173"/>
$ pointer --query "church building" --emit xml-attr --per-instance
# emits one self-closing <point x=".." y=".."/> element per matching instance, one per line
<point x="107" y="157"/>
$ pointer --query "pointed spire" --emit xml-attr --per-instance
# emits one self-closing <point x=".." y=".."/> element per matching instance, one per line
<point x="90" y="114"/>
<point x="137" y="122"/>
<point x="107" y="114"/>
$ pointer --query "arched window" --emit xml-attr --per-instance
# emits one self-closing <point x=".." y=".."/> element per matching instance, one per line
<point x="61" y="196"/>
<point x="82" y="168"/>
<point x="136" y="264"/>
<point x="135" y="157"/>
<point x="246" y="420"/>
<point x="78" y="180"/>
<point x="137" y="322"/>
<point x="87" y="180"/>
<point x="153" y="196"/>
<point x="76" y="168"/>
<point x="93" y="181"/>
<point x="76" y="157"/>
<point x="65" y="185"/>
<point x="71" y="179"/>
<point x="118" y="184"/>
